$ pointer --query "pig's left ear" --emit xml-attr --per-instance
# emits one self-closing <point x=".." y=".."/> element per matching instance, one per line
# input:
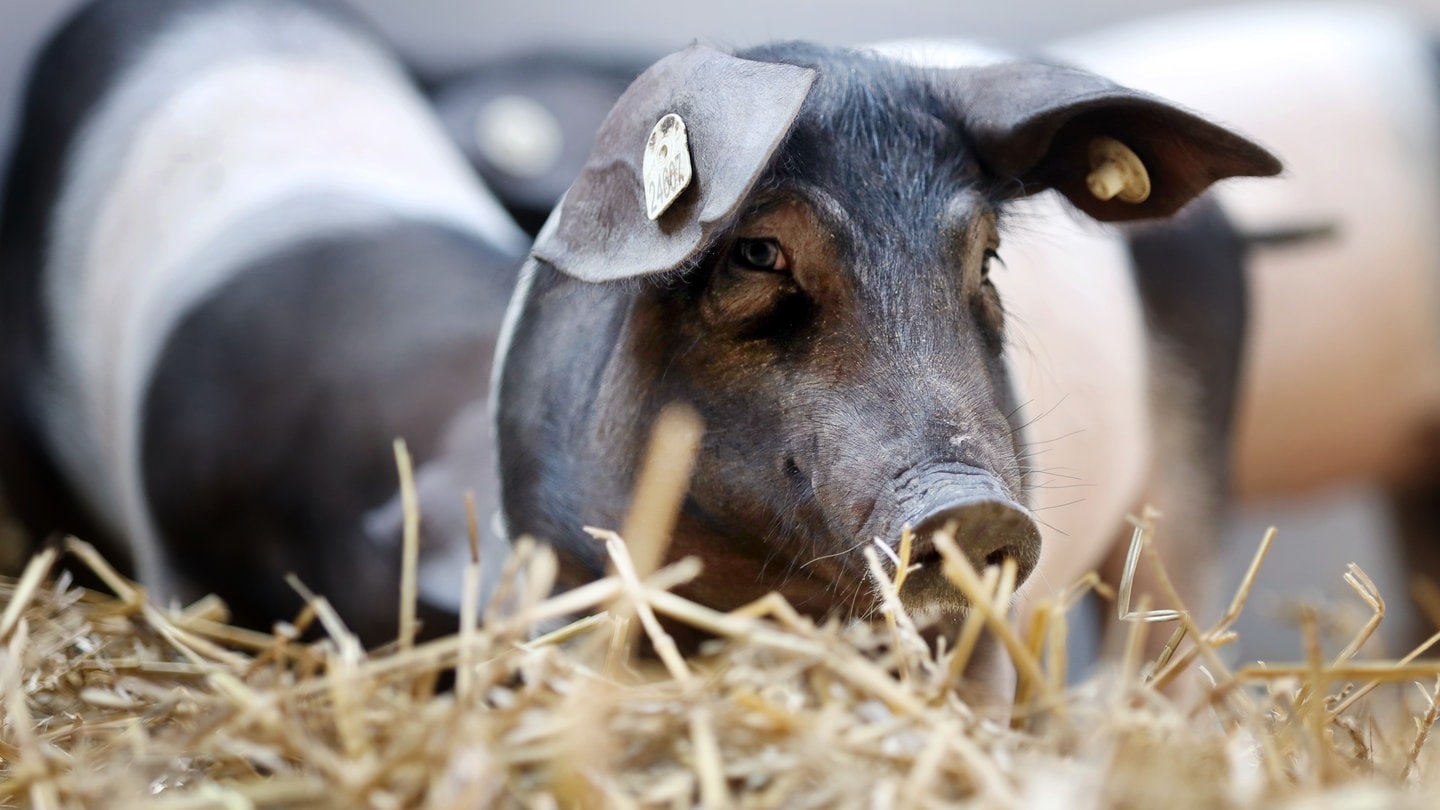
<point x="622" y="219"/>
<point x="1049" y="126"/>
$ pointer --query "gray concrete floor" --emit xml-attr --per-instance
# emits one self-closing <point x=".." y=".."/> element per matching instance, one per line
<point x="1318" y="535"/>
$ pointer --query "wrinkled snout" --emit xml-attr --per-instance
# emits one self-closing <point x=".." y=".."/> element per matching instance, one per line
<point x="988" y="524"/>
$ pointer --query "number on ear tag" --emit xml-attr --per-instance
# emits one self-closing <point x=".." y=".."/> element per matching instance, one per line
<point x="666" y="168"/>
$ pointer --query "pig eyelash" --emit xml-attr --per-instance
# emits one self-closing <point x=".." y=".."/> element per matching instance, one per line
<point x="991" y="255"/>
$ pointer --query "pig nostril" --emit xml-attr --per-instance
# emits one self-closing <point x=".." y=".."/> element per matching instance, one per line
<point x="1024" y="564"/>
<point x="998" y="557"/>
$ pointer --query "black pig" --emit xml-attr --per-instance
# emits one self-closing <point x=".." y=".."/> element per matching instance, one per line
<point x="827" y="292"/>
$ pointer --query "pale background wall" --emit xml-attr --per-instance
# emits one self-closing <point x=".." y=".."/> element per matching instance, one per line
<point x="1318" y="535"/>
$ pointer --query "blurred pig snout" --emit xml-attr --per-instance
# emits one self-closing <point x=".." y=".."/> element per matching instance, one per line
<point x="987" y="522"/>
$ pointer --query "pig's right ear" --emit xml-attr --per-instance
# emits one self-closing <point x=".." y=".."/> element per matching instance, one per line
<point x="735" y="112"/>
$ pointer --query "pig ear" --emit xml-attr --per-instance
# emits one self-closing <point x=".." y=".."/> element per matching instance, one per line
<point x="735" y="112"/>
<point x="1052" y="127"/>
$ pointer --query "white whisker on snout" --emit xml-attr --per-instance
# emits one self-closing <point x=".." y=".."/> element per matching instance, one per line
<point x="840" y="553"/>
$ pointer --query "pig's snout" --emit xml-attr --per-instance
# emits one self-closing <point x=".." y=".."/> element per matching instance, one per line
<point x="987" y="531"/>
<point x="987" y="523"/>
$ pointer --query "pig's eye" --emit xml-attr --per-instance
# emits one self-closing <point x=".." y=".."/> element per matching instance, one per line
<point x="987" y="303"/>
<point x="763" y="255"/>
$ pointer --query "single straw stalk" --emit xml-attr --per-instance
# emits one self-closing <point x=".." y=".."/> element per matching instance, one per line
<point x="469" y="607"/>
<point x="897" y="620"/>
<point x="972" y="627"/>
<point x="410" y="548"/>
<point x="1423" y="732"/>
<point x="35" y="572"/>
<point x="661" y="486"/>
<point x="655" y="507"/>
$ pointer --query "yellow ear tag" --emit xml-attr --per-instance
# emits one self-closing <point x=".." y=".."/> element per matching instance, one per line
<point x="1116" y="171"/>
<point x="666" y="168"/>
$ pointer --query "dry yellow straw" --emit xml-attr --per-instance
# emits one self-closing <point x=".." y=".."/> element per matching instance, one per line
<point x="115" y="702"/>
<point x="1355" y="696"/>
<point x="410" y="559"/>
<point x="971" y="629"/>
<point x="132" y="595"/>
<point x="30" y="580"/>
<point x="469" y="606"/>
<point x="963" y="575"/>
<point x="896" y="619"/>
<point x="661" y="486"/>
<point x="708" y="761"/>
<point x="32" y="769"/>
<point x="1139" y="540"/>
<point x="640" y="603"/>
<point x="659" y="492"/>
<point x="1423" y="732"/>
<point x="1163" y="677"/>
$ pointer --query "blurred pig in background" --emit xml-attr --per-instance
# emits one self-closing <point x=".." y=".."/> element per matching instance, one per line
<point x="1342" y="378"/>
<point x="1342" y="366"/>
<point x="527" y="123"/>
<point x="239" y="256"/>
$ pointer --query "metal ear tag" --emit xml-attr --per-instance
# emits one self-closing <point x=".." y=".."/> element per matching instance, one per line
<point x="666" y="167"/>
<point x="1116" y="171"/>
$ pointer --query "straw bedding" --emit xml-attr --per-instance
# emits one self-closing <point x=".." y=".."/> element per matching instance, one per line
<point x="112" y="702"/>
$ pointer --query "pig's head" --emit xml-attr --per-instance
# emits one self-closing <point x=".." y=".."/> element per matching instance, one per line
<point x="819" y="293"/>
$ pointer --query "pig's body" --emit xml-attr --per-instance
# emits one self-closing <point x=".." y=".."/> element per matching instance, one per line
<point x="1343" y="369"/>
<point x="238" y="254"/>
<point x="1078" y="351"/>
